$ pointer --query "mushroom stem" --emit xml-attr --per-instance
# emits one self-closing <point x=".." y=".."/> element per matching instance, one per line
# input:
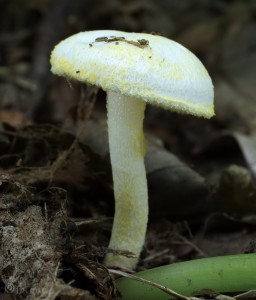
<point x="127" y="151"/>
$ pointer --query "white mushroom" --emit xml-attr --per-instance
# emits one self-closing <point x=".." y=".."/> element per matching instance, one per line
<point x="134" y="69"/>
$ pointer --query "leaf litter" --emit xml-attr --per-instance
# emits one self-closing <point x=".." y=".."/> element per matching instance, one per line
<point x="56" y="202"/>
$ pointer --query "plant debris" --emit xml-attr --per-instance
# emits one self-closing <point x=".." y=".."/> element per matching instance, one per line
<point x="142" y="43"/>
<point x="56" y="200"/>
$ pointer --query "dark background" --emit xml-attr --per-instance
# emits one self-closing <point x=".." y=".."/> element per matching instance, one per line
<point x="54" y="152"/>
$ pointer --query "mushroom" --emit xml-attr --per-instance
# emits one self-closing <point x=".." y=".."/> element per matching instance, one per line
<point x="133" y="69"/>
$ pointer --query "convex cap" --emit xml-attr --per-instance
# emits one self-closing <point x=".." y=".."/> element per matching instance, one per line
<point x="150" y="67"/>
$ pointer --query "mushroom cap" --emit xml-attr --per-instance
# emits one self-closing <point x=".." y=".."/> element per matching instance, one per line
<point x="150" y="67"/>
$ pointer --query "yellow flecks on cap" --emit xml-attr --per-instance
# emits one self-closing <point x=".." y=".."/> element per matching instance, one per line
<point x="161" y="73"/>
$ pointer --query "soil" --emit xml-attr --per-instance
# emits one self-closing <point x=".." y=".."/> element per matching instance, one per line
<point x="56" y="201"/>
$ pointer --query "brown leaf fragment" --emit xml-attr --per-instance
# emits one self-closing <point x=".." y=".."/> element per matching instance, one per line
<point x="95" y="275"/>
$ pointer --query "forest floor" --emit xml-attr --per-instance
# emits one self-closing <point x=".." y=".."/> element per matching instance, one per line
<point x="56" y="201"/>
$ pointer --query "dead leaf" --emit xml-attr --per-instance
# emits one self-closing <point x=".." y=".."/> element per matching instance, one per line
<point x="235" y="88"/>
<point x="175" y="190"/>
<point x="224" y="141"/>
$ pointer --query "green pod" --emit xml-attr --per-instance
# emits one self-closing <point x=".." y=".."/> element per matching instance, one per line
<point x="223" y="274"/>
